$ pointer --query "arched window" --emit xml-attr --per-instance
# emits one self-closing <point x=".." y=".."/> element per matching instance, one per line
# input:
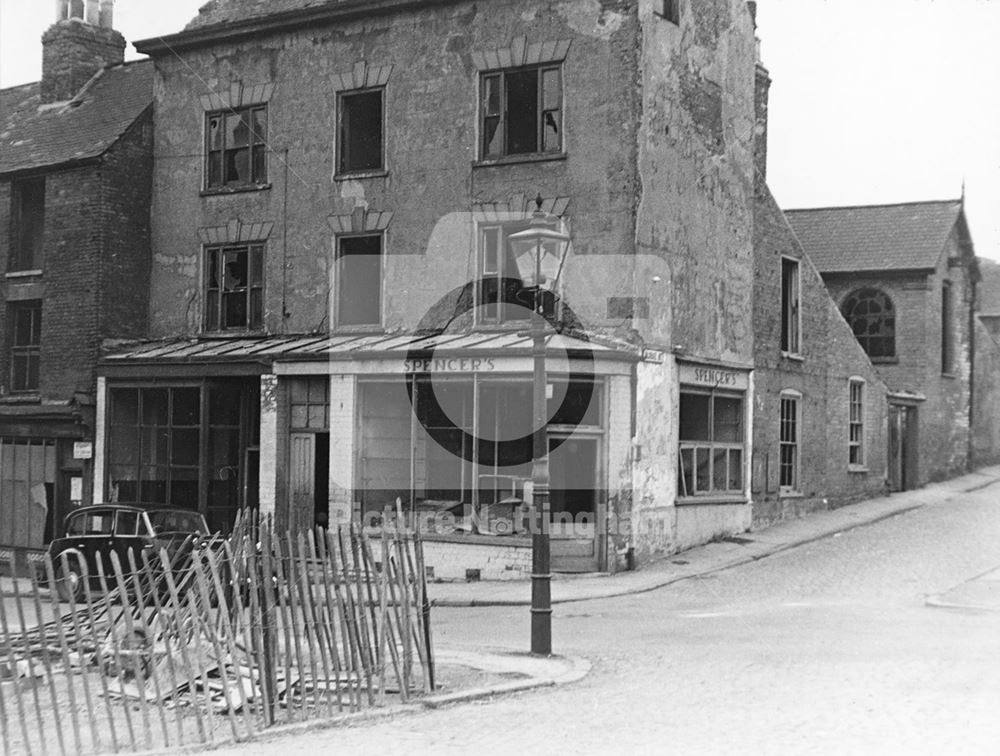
<point x="873" y="319"/>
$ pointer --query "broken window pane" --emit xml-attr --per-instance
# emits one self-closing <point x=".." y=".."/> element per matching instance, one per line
<point x="522" y="112"/>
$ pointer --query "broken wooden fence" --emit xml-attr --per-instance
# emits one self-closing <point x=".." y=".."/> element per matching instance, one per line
<point x="213" y="641"/>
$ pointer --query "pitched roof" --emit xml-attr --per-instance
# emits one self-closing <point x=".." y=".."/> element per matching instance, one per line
<point x="35" y="137"/>
<point x="227" y="11"/>
<point x="906" y="236"/>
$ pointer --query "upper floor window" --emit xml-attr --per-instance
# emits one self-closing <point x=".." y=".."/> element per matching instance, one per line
<point x="361" y="131"/>
<point x="28" y="223"/>
<point x="947" y="338"/>
<point x="873" y="320"/>
<point x="500" y="296"/>
<point x="234" y="287"/>
<point x="790" y="312"/>
<point x="359" y="280"/>
<point x="788" y="443"/>
<point x="236" y="147"/>
<point x="521" y="111"/>
<point x="26" y="341"/>
<point x="856" y="423"/>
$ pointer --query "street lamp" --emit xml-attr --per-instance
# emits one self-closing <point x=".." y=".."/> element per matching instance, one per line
<point x="539" y="252"/>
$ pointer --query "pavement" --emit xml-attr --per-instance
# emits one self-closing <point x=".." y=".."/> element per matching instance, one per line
<point x="727" y="553"/>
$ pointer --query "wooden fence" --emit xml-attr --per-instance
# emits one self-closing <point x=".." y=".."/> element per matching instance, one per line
<point x="214" y="641"/>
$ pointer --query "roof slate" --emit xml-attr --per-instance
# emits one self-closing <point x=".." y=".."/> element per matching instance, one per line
<point x="85" y="127"/>
<point x="906" y="236"/>
<point x="227" y="11"/>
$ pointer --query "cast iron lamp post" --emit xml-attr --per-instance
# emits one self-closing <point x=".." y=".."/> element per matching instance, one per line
<point x="540" y="251"/>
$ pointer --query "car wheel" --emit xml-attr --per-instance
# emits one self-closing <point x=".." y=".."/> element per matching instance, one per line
<point x="69" y="580"/>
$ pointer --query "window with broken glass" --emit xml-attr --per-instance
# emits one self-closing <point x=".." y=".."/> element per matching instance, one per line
<point x="26" y="345"/>
<point x="521" y="111"/>
<point x="234" y="290"/>
<point x="236" y="147"/>
<point x="711" y="444"/>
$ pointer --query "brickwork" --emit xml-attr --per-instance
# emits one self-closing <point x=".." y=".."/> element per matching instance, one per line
<point x="73" y="53"/>
<point x="943" y="416"/>
<point x="829" y="357"/>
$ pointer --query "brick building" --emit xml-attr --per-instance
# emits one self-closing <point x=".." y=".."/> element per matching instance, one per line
<point x="904" y="278"/>
<point x="335" y="190"/>
<point x="986" y="376"/>
<point x="75" y="180"/>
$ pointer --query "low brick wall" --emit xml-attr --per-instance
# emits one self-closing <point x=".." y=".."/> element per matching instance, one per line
<point x="450" y="557"/>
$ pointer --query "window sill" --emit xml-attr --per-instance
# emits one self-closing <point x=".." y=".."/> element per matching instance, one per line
<point x="367" y="330"/>
<point x="793" y="356"/>
<point x="884" y="360"/>
<point x="952" y="376"/>
<point x="24" y="273"/>
<point x="237" y="333"/>
<point x="790" y="494"/>
<point x="687" y="501"/>
<point x="22" y="397"/>
<point x="857" y="468"/>
<point x="356" y="175"/>
<point x="216" y="191"/>
<point x="534" y="157"/>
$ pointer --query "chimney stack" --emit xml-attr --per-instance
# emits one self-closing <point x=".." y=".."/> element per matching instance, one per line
<point x="79" y="44"/>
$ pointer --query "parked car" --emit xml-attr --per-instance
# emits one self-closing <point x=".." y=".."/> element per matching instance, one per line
<point x="93" y="533"/>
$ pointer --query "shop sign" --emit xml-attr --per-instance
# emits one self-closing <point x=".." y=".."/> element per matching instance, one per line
<point x="448" y="365"/>
<point x="83" y="450"/>
<point x="715" y="377"/>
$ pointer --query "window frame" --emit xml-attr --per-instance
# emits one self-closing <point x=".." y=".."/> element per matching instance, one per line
<point x="29" y="354"/>
<point x="23" y="190"/>
<point x="342" y="152"/>
<point x="254" y="251"/>
<point x="711" y="447"/>
<point x="864" y="339"/>
<point x="340" y="279"/>
<point x="856" y="446"/>
<point x="793" y="487"/>
<point x="485" y="112"/>
<point x="252" y="147"/>
<point x="791" y="307"/>
<point x="947" y="325"/>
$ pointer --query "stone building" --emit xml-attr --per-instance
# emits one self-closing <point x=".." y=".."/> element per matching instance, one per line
<point x="75" y="180"/>
<point x="334" y="322"/>
<point x="986" y="376"/>
<point x="904" y="278"/>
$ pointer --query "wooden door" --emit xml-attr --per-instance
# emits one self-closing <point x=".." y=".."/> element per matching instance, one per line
<point x="302" y="480"/>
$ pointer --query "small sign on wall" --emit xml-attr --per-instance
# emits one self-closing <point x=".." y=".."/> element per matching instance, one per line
<point x="83" y="450"/>
<point x="76" y="489"/>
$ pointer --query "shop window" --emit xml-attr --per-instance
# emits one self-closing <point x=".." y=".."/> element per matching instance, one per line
<point x="947" y="337"/>
<point x="361" y="131"/>
<point x="236" y="147"/>
<point x="359" y="280"/>
<point x="789" y="443"/>
<point x="234" y="288"/>
<point x="25" y="349"/>
<point x="27" y="224"/>
<point x="856" y="423"/>
<point x="521" y="111"/>
<point x="711" y="444"/>
<point x="501" y="296"/>
<point x="872" y="318"/>
<point x="790" y="306"/>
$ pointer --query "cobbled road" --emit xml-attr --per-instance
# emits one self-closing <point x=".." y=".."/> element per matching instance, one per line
<point x="827" y="648"/>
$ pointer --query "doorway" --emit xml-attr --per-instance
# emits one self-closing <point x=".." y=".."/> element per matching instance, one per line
<point x="574" y="504"/>
<point x="310" y="480"/>
<point x="903" y="474"/>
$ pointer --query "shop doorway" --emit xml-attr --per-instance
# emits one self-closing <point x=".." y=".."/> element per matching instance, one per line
<point x="575" y="504"/>
<point x="903" y="473"/>
<point x="309" y="480"/>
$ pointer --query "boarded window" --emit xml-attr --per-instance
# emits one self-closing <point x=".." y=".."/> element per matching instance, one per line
<point x="236" y="147"/>
<point x="361" y="131"/>
<point x="521" y="111"/>
<point x="359" y="280"/>
<point x="27" y="485"/>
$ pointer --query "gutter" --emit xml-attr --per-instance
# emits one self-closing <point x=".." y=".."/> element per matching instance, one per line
<point x="331" y="13"/>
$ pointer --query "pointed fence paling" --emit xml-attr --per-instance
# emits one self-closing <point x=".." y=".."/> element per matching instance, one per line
<point x="213" y="640"/>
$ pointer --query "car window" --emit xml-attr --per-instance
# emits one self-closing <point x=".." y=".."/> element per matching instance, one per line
<point x="126" y="523"/>
<point x="90" y="524"/>
<point x="172" y="521"/>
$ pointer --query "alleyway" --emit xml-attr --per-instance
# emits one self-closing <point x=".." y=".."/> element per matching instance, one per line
<point x="828" y="648"/>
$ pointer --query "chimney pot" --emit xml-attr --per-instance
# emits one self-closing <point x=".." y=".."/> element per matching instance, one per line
<point x="107" y="14"/>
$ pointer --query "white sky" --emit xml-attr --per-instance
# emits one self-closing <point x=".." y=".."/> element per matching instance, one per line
<point x="872" y="100"/>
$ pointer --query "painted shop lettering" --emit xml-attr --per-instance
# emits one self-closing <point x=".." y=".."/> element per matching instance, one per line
<point x="715" y="377"/>
<point x="448" y="365"/>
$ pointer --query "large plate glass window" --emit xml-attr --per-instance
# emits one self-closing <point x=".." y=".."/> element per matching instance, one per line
<point x="711" y="450"/>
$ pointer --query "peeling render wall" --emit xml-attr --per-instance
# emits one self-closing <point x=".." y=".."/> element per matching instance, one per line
<point x="693" y="239"/>
<point x="431" y="136"/>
